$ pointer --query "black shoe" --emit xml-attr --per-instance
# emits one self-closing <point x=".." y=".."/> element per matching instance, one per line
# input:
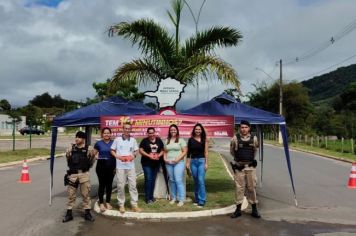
<point x="254" y="212"/>
<point x="237" y="212"/>
<point x="68" y="216"/>
<point x="88" y="216"/>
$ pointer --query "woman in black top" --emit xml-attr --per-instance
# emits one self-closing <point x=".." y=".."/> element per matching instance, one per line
<point x="151" y="150"/>
<point x="105" y="168"/>
<point x="197" y="162"/>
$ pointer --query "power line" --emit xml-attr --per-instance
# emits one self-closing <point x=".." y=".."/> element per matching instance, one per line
<point x="342" y="33"/>
<point x="315" y="73"/>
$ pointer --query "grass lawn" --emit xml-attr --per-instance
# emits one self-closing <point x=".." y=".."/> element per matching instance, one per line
<point x="321" y="151"/>
<point x="18" y="155"/>
<point x="219" y="187"/>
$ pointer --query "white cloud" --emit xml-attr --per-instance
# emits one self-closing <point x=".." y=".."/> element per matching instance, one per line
<point x="64" y="49"/>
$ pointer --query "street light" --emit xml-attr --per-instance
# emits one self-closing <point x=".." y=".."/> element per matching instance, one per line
<point x="280" y="94"/>
<point x="257" y="68"/>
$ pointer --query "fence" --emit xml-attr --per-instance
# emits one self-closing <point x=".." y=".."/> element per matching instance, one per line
<point x="327" y="142"/>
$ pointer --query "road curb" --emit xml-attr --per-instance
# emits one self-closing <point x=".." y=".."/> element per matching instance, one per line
<point x="314" y="153"/>
<point x="166" y="215"/>
<point x="174" y="215"/>
<point x="39" y="158"/>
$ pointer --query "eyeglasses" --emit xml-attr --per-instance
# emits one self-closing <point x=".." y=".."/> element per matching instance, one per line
<point x="151" y="133"/>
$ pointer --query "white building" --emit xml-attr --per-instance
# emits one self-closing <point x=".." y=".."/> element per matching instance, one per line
<point x="6" y="124"/>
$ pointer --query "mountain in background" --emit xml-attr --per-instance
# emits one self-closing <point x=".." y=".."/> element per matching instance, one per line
<point x="324" y="88"/>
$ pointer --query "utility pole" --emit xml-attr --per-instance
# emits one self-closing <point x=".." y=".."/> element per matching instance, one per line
<point x="280" y="98"/>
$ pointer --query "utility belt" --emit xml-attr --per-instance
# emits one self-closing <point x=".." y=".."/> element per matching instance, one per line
<point x="241" y="165"/>
<point x="69" y="172"/>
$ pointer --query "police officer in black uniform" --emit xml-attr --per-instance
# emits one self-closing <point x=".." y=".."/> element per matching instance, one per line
<point x="80" y="159"/>
<point x="243" y="148"/>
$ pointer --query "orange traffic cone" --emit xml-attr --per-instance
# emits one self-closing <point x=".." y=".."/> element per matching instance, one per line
<point x="352" y="179"/>
<point x="25" y="176"/>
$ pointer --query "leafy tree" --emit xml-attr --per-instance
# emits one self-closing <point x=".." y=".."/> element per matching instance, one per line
<point x="127" y="90"/>
<point x="5" y="105"/>
<point x="166" y="56"/>
<point x="43" y="100"/>
<point x="34" y="115"/>
<point x="14" y="115"/>
<point x="233" y="92"/>
<point x="348" y="98"/>
<point x="297" y="108"/>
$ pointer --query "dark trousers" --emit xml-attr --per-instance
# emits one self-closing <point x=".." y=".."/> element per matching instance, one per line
<point x="150" y="173"/>
<point x="106" y="175"/>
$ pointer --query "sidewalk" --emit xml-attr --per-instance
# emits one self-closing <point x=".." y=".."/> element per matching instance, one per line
<point x="39" y="158"/>
<point x="174" y="215"/>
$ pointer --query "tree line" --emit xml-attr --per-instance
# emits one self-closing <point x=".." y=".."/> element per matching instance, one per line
<point x="337" y="117"/>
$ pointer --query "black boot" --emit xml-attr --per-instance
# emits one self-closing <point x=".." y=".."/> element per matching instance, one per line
<point x="254" y="212"/>
<point x="68" y="216"/>
<point x="88" y="216"/>
<point x="237" y="212"/>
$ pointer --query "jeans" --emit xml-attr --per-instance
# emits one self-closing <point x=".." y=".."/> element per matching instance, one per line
<point x="175" y="176"/>
<point x="150" y="173"/>
<point x="197" y="167"/>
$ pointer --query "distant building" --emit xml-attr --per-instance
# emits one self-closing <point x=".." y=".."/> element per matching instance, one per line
<point x="6" y="124"/>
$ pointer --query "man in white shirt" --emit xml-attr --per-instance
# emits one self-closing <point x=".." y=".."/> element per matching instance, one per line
<point x="124" y="149"/>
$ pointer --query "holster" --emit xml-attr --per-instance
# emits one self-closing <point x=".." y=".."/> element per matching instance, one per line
<point x="253" y="164"/>
<point x="70" y="183"/>
<point x="66" y="180"/>
<point x="237" y="166"/>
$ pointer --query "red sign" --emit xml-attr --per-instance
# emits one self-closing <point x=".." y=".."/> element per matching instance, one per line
<point x="215" y="126"/>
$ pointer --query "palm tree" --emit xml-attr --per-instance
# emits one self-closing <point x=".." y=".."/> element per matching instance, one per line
<point x="165" y="56"/>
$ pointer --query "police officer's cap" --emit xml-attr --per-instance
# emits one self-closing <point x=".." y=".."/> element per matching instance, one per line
<point x="80" y="134"/>
<point x="245" y="122"/>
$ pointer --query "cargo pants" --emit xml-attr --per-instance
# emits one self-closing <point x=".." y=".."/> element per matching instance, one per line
<point x="84" y="185"/>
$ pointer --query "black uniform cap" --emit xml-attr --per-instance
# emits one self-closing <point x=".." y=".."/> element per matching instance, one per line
<point x="80" y="134"/>
<point x="245" y="122"/>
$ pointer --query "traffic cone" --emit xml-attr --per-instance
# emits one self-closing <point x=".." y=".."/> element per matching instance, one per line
<point x="352" y="179"/>
<point x="25" y="176"/>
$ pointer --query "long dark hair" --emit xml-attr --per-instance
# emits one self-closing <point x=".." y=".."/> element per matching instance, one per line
<point x="203" y="133"/>
<point x="105" y="128"/>
<point x="169" y="133"/>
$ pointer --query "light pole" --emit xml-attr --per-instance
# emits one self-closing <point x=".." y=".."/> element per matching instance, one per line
<point x="280" y="93"/>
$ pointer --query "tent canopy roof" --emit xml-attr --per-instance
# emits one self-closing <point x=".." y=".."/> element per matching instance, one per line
<point x="90" y="115"/>
<point x="224" y="104"/>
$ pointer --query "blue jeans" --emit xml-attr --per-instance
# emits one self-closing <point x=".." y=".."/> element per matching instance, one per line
<point x="197" y="167"/>
<point x="175" y="176"/>
<point x="150" y="174"/>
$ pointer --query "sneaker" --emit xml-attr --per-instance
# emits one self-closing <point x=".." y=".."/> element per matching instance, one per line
<point x="180" y="203"/>
<point x="200" y="205"/>
<point x="150" y="202"/>
<point x="195" y="203"/>
<point x="172" y="201"/>
<point x="108" y="206"/>
<point x="122" y="209"/>
<point x="136" y="209"/>
<point x="102" y="207"/>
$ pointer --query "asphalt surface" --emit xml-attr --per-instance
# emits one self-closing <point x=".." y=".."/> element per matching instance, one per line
<point x="326" y="205"/>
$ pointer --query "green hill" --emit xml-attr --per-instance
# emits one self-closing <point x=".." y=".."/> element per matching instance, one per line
<point x="325" y="87"/>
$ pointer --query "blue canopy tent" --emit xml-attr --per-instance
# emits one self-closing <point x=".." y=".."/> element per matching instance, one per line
<point x="90" y="116"/>
<point x="224" y="104"/>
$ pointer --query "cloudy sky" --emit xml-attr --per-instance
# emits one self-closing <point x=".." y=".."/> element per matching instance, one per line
<point x="62" y="47"/>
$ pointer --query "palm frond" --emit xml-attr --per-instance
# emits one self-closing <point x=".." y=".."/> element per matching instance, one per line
<point x="152" y="39"/>
<point x="203" y="64"/>
<point x="206" y="41"/>
<point x="141" y="70"/>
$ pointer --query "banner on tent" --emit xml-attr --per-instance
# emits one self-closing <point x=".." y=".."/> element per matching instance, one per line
<point x="215" y="126"/>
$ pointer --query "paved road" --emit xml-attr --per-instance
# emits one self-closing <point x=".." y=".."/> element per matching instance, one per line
<point x="320" y="184"/>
